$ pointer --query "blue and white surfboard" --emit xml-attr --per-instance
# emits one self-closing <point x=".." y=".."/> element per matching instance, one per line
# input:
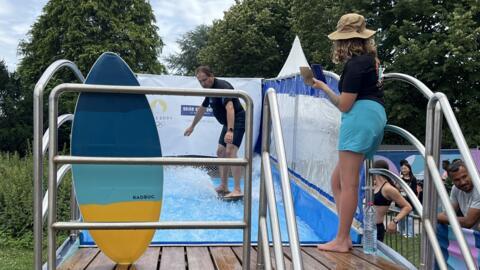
<point x="117" y="125"/>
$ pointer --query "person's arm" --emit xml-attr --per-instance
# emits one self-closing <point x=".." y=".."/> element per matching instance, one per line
<point x="344" y="102"/>
<point x="393" y="194"/>
<point x="442" y="217"/>
<point x="470" y="219"/>
<point x="198" y="116"/>
<point x="230" y="121"/>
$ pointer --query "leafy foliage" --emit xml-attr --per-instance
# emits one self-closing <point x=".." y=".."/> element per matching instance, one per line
<point x="186" y="61"/>
<point x="80" y="32"/>
<point x="252" y="40"/>
<point x="16" y="191"/>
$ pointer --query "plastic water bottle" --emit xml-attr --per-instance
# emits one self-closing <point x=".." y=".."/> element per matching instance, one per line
<point x="369" y="230"/>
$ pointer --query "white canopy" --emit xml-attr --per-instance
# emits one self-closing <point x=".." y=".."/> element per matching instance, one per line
<point x="296" y="58"/>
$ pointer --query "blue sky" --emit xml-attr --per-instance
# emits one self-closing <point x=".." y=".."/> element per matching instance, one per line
<point x="174" y="18"/>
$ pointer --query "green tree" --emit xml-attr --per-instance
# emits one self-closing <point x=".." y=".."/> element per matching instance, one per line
<point x="80" y="31"/>
<point x="186" y="61"/>
<point x="11" y="131"/>
<point x="253" y="39"/>
<point x="438" y="44"/>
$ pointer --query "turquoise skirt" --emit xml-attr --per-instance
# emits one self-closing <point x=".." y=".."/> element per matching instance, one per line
<point x="361" y="130"/>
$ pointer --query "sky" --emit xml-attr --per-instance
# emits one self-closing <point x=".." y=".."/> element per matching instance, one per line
<point x="174" y="18"/>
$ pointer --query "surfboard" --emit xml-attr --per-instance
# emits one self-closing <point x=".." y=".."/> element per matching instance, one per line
<point x="116" y="125"/>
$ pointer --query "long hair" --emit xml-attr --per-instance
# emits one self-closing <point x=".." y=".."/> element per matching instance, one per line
<point x="382" y="164"/>
<point x="343" y="50"/>
<point x="410" y="173"/>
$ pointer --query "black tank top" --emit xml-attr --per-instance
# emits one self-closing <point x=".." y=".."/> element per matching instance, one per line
<point x="379" y="199"/>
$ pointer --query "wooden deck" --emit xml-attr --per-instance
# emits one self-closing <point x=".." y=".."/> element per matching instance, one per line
<point x="220" y="258"/>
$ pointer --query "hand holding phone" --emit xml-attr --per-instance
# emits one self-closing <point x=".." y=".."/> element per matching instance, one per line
<point x="318" y="73"/>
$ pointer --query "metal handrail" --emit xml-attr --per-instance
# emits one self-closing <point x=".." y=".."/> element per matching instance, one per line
<point x="55" y="160"/>
<point x="419" y="208"/>
<point x="438" y="102"/>
<point x="60" y="174"/>
<point x="410" y="80"/>
<point x="408" y="136"/>
<point x="38" y="151"/>
<point x="433" y="114"/>
<point x="62" y="119"/>
<point x="271" y="117"/>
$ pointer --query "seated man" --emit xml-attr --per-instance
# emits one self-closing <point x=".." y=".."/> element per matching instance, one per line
<point x="464" y="197"/>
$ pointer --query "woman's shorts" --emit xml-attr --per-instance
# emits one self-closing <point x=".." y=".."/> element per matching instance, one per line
<point x="361" y="130"/>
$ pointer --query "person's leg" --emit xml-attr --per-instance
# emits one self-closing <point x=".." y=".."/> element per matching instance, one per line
<point x="336" y="188"/>
<point x="231" y="152"/>
<point x="349" y="165"/>
<point x="223" y="187"/>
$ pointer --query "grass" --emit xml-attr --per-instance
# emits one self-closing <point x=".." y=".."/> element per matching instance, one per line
<point x="16" y="258"/>
<point x="407" y="247"/>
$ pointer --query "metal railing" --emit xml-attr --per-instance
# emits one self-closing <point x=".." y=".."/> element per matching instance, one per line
<point x="61" y="172"/>
<point x="38" y="151"/>
<point x="430" y="232"/>
<point x="437" y="105"/>
<point x="406" y="241"/>
<point x="55" y="160"/>
<point x="271" y="117"/>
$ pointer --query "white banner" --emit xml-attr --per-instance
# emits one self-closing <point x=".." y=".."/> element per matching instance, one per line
<point x="173" y="114"/>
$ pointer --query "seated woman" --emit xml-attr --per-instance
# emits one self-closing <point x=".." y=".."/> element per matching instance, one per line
<point x="384" y="193"/>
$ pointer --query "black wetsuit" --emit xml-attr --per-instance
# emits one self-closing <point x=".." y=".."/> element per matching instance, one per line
<point x="218" y="106"/>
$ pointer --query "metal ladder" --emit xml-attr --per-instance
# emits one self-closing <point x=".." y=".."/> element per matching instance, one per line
<point x="56" y="160"/>
<point x="271" y="122"/>
<point x="434" y="188"/>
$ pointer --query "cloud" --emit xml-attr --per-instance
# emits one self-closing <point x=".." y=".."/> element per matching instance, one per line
<point x="174" y="18"/>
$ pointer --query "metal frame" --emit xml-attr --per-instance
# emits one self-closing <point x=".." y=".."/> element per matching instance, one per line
<point x="438" y="104"/>
<point x="38" y="151"/>
<point x="55" y="160"/>
<point x="271" y="117"/>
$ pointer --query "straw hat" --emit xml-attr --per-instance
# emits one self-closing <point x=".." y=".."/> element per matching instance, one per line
<point x="351" y="25"/>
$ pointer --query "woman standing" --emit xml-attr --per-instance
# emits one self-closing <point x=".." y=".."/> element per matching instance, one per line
<point x="363" y="117"/>
<point x="384" y="193"/>
<point x="406" y="226"/>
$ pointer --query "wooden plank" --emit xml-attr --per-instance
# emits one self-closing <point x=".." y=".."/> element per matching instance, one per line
<point x="79" y="260"/>
<point x="199" y="259"/>
<point x="308" y="261"/>
<point x="101" y="262"/>
<point x="148" y="261"/>
<point x="172" y="258"/>
<point x="346" y="260"/>
<point x="288" y="261"/>
<point x="376" y="260"/>
<point x="253" y="256"/>
<point x="224" y="258"/>
<point x="328" y="259"/>
<point x="122" y="267"/>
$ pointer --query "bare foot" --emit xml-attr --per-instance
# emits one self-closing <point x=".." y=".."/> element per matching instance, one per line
<point x="336" y="246"/>
<point x="222" y="189"/>
<point x="234" y="194"/>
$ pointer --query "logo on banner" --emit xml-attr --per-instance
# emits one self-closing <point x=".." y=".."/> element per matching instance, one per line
<point x="192" y="110"/>
<point x="159" y="109"/>
<point x="160" y="103"/>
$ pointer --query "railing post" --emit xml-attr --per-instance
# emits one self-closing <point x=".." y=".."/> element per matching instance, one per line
<point x="38" y="152"/>
<point x="52" y="181"/>
<point x="262" y="212"/>
<point x="429" y="194"/>
<point x="368" y="181"/>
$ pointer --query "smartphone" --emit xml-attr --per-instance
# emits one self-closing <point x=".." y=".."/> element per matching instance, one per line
<point x="318" y="72"/>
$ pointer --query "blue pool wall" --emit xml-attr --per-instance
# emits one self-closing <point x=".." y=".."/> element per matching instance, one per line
<point x="308" y="199"/>
<point x="321" y="218"/>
